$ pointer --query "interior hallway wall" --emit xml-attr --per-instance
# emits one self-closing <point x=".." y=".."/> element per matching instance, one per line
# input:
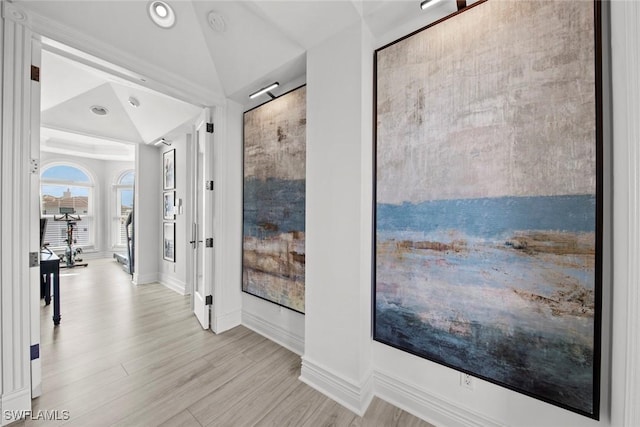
<point x="337" y="357"/>
<point x="174" y="274"/>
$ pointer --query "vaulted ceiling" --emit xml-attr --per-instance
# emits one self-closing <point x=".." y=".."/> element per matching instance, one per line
<point x="254" y="43"/>
<point x="135" y="114"/>
<point x="261" y="40"/>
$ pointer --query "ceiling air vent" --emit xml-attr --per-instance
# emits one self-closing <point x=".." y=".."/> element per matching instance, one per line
<point x="99" y="110"/>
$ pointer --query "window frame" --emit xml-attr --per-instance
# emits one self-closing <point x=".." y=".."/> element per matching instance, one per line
<point x="90" y="216"/>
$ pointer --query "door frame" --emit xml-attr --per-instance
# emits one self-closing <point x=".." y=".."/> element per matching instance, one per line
<point x="207" y="224"/>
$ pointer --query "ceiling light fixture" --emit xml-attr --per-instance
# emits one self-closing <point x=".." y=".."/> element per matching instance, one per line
<point x="162" y="14"/>
<point x="428" y="3"/>
<point x="266" y="90"/>
<point x="133" y="101"/>
<point x="162" y="141"/>
<point x="99" y="110"/>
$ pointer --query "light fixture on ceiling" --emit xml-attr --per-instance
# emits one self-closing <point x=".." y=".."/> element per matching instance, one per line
<point x="162" y="141"/>
<point x="133" y="101"/>
<point x="428" y="3"/>
<point x="99" y="110"/>
<point x="162" y="14"/>
<point x="266" y="90"/>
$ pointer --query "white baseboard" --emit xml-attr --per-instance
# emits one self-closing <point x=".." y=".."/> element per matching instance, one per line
<point x="274" y="332"/>
<point x="428" y="406"/>
<point x="352" y="396"/>
<point x="143" y="279"/>
<point x="227" y="321"/>
<point x="14" y="403"/>
<point x="173" y="283"/>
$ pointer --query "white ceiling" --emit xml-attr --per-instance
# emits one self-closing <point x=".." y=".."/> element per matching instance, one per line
<point x="68" y="91"/>
<point x="263" y="41"/>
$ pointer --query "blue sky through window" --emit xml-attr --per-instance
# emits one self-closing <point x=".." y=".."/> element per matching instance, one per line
<point x="58" y="190"/>
<point x="67" y="173"/>
<point x="126" y="198"/>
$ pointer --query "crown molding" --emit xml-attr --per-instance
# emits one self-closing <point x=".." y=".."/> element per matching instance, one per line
<point x="71" y="43"/>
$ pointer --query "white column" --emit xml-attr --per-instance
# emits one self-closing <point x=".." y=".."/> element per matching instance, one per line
<point x="337" y="357"/>
<point x="227" y="239"/>
<point x="148" y="214"/>
<point x="15" y="203"/>
<point x="625" y="55"/>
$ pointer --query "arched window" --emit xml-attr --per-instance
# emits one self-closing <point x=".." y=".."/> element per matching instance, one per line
<point x="123" y="206"/>
<point x="66" y="188"/>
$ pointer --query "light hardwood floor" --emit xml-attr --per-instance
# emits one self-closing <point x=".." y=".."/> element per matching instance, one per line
<point x="136" y="356"/>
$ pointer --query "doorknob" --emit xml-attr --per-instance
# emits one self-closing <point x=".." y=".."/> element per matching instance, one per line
<point x="194" y="241"/>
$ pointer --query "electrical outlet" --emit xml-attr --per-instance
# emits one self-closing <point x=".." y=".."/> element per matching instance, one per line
<point x="466" y="381"/>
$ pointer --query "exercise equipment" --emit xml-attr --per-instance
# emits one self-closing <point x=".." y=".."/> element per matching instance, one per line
<point x="127" y="259"/>
<point x="71" y="252"/>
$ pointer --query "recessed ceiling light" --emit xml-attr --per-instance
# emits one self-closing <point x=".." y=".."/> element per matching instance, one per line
<point x="99" y="110"/>
<point x="162" y="14"/>
<point x="160" y="10"/>
<point x="133" y="101"/>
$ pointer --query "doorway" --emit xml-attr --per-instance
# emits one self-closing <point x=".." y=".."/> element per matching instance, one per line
<point x="102" y="148"/>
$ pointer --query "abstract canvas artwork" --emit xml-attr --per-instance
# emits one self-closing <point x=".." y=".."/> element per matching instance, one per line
<point x="488" y="208"/>
<point x="273" y="251"/>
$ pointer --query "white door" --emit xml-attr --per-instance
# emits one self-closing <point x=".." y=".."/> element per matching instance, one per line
<point x="202" y="227"/>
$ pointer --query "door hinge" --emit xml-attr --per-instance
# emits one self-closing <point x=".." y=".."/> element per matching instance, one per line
<point x="35" y="351"/>
<point x="208" y="243"/>
<point x="34" y="259"/>
<point x="209" y="127"/>
<point x="208" y="300"/>
<point x="209" y="185"/>
<point x="35" y="165"/>
<point x="35" y="73"/>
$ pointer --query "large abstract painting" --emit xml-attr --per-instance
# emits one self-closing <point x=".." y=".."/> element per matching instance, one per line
<point x="273" y="257"/>
<point x="488" y="207"/>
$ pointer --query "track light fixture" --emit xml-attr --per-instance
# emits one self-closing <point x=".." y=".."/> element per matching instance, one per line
<point x="162" y="141"/>
<point x="428" y="3"/>
<point x="266" y="90"/>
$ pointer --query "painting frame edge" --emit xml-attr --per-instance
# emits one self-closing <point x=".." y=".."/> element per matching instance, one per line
<point x="171" y="217"/>
<point x="165" y="154"/>
<point x="599" y="218"/>
<point x="242" y="198"/>
<point x="172" y="225"/>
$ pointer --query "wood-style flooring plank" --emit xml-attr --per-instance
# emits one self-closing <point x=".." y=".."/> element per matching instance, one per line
<point x="136" y="356"/>
<point x="182" y="419"/>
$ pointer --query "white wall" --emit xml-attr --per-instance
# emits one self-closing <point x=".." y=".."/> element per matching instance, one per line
<point x="336" y="350"/>
<point x="104" y="174"/>
<point x="338" y="288"/>
<point x="148" y="214"/>
<point x="625" y="47"/>
<point x="174" y="274"/>
<point x="338" y="347"/>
